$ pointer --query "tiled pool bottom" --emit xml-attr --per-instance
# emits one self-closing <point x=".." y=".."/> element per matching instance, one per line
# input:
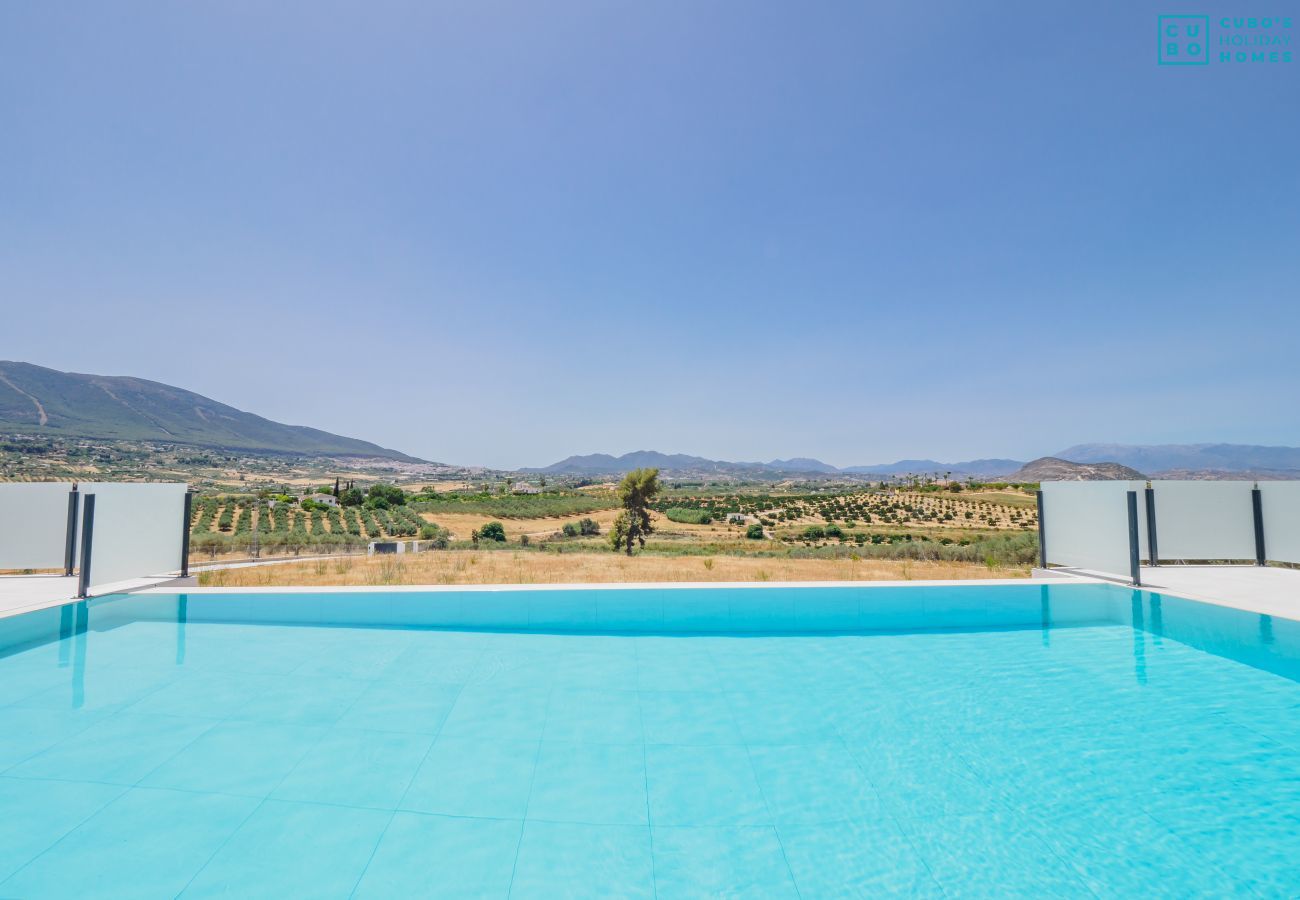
<point x="155" y="758"/>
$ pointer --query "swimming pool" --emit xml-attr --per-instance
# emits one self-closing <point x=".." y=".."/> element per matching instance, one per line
<point x="1059" y="740"/>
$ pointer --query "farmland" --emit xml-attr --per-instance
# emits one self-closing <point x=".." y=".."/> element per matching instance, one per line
<point x="755" y="534"/>
<point x="236" y="524"/>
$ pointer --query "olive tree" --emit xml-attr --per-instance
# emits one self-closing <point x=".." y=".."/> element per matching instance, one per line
<point x="635" y="492"/>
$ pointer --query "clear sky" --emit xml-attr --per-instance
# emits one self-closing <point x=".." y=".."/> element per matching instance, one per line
<point x="503" y="232"/>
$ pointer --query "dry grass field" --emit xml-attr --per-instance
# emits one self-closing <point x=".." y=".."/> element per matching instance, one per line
<point x="461" y="525"/>
<point x="507" y="567"/>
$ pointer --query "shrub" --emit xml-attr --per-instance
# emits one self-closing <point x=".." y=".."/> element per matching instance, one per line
<point x="492" y="531"/>
<point x="588" y="527"/>
<point x="688" y="516"/>
<point x="391" y="494"/>
<point x="754" y="532"/>
<point x="570" y="530"/>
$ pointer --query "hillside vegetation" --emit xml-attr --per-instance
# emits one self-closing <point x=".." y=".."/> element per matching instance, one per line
<point x="40" y="401"/>
<point x="1050" y="468"/>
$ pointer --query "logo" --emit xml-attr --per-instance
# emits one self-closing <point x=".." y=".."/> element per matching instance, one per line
<point x="1184" y="40"/>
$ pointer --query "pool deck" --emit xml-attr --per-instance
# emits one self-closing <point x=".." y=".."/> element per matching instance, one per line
<point x="1261" y="589"/>
<point x="1269" y="590"/>
<point x="25" y="593"/>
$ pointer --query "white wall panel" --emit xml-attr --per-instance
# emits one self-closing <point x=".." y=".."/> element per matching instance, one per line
<point x="33" y="525"/>
<point x="1085" y="524"/>
<point x="1204" y="520"/>
<point x="138" y="530"/>
<point x="1281" y="503"/>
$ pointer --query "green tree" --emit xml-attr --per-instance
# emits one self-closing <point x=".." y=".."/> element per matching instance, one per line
<point x="351" y="497"/>
<point x="390" y="495"/>
<point x="635" y="492"/>
<point x="492" y="531"/>
<point x="754" y="532"/>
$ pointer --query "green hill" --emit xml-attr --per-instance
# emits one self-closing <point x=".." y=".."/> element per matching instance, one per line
<point x="36" y="400"/>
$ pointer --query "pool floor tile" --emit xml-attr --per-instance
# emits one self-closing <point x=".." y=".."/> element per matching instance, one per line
<point x="613" y="671"/>
<point x="302" y="700"/>
<point x="389" y="706"/>
<point x="146" y="843"/>
<point x="247" y="758"/>
<point x="350" y="767"/>
<point x="106" y="689"/>
<point x="293" y="850"/>
<point x="863" y="858"/>
<point x="498" y="713"/>
<point x="720" y="862"/>
<point x="593" y="716"/>
<point x="597" y="784"/>
<point x="992" y="854"/>
<point x="688" y="717"/>
<point x="443" y="856"/>
<point x="465" y="777"/>
<point x="120" y="749"/>
<point x="213" y="695"/>
<point x="808" y="784"/>
<point x="583" y="861"/>
<point x="27" y="732"/>
<point x="423" y="664"/>
<point x="703" y="786"/>
<point x="779" y="717"/>
<point x="49" y="810"/>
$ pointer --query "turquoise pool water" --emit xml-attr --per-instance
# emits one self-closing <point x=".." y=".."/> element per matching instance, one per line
<point x="1068" y="741"/>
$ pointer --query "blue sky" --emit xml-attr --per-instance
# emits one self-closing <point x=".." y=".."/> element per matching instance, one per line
<point x="500" y="233"/>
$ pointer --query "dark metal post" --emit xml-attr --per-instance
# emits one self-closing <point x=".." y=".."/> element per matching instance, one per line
<point x="185" y="534"/>
<point x="257" y="528"/>
<point x="87" y="541"/>
<point x="1134" y="552"/>
<point x="1152" y="550"/>
<point x="1257" y="501"/>
<point x="1042" y="532"/>
<point x="70" y="544"/>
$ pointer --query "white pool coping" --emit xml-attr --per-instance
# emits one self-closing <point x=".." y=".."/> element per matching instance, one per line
<point x="1264" y="590"/>
<point x="613" y="586"/>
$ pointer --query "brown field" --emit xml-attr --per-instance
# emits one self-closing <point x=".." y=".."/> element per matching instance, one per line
<point x="1009" y="498"/>
<point x="507" y="567"/>
<point x="461" y="525"/>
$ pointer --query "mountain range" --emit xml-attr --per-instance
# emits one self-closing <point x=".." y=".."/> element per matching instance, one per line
<point x="1188" y="457"/>
<point x="40" y="401"/>
<point x="605" y="464"/>
<point x="1129" y="460"/>
<point x="36" y="400"/>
